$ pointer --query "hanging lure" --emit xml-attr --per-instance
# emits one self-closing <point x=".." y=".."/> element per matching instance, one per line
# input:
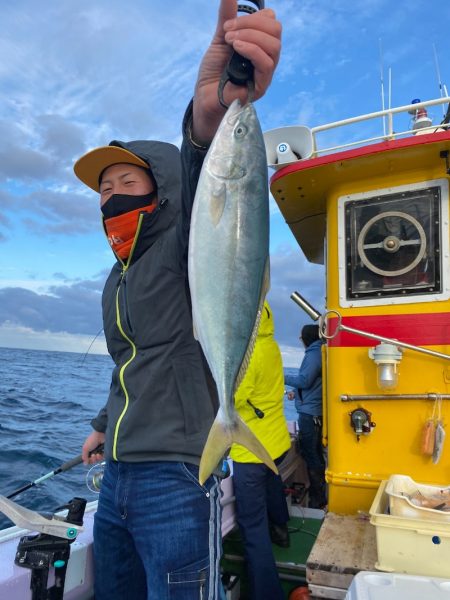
<point x="439" y="435"/>
<point x="429" y="432"/>
<point x="428" y="437"/>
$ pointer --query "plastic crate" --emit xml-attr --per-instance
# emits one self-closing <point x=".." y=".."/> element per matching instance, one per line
<point x="368" y="585"/>
<point x="407" y="498"/>
<point x="414" y="546"/>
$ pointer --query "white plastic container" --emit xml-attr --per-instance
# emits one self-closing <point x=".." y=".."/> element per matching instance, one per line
<point x="413" y="546"/>
<point x="407" y="498"/>
<point x="368" y="585"/>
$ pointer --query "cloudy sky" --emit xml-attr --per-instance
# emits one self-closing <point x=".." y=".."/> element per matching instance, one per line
<point x="75" y="74"/>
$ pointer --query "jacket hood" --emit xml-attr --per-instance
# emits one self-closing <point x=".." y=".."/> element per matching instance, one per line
<point x="266" y="326"/>
<point x="164" y="161"/>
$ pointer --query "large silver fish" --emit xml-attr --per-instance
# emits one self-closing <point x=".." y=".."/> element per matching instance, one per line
<point x="229" y="269"/>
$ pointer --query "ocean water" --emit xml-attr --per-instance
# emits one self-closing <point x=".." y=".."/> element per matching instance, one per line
<point x="47" y="400"/>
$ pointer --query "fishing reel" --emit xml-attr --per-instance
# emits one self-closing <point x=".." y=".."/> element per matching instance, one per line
<point x="94" y="477"/>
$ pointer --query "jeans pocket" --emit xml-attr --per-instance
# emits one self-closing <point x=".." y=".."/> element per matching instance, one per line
<point x="191" y="472"/>
<point x="190" y="582"/>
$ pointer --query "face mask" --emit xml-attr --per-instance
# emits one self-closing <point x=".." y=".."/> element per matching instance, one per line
<point x="121" y="230"/>
<point x="118" y="204"/>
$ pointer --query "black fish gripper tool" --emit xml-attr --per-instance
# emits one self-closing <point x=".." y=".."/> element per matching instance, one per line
<point x="240" y="70"/>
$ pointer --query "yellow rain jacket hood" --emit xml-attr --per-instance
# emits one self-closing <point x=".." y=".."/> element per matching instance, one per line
<point x="263" y="385"/>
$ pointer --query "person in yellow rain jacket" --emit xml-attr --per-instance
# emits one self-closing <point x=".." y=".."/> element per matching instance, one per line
<point x="261" y="507"/>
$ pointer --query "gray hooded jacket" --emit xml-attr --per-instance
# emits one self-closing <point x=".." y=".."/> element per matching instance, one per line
<point x="162" y="399"/>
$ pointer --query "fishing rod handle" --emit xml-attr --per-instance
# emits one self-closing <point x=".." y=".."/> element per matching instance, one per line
<point x="79" y="459"/>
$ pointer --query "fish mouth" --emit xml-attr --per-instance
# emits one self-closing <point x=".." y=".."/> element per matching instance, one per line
<point x="225" y="167"/>
<point x="233" y="118"/>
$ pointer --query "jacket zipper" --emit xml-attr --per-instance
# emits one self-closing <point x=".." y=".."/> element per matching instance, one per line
<point x="129" y="340"/>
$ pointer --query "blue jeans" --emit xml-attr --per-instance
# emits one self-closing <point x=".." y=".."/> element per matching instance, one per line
<point x="157" y="533"/>
<point x="310" y="441"/>
<point x="259" y="498"/>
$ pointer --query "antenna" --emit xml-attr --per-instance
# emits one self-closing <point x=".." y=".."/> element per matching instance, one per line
<point x="382" y="85"/>
<point x="389" y="87"/>
<point x="441" y="88"/>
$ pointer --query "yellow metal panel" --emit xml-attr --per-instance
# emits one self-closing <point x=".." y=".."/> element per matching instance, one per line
<point x="394" y="445"/>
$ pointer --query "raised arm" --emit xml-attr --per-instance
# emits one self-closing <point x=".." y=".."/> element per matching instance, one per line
<point x="257" y="37"/>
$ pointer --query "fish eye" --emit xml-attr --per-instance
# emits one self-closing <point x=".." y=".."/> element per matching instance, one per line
<point x="240" y="131"/>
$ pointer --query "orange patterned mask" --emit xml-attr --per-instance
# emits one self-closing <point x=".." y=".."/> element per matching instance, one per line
<point x="121" y="230"/>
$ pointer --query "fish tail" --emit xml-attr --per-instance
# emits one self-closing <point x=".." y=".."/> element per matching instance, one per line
<point x="243" y="435"/>
<point x="221" y="438"/>
<point x="218" y="442"/>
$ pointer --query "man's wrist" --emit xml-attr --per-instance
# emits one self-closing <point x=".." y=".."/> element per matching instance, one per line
<point x="188" y="122"/>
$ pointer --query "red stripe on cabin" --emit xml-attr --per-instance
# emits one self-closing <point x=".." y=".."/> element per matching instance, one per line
<point x="385" y="146"/>
<point x="431" y="329"/>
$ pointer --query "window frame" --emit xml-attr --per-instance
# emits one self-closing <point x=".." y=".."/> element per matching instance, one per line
<point x="399" y="298"/>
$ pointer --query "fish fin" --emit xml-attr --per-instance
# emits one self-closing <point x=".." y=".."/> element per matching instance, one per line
<point x="221" y="438"/>
<point x="252" y="341"/>
<point x="217" y="203"/>
<point x="194" y="330"/>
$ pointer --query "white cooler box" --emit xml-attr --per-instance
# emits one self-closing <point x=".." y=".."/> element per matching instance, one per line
<point x="368" y="585"/>
<point x="417" y="546"/>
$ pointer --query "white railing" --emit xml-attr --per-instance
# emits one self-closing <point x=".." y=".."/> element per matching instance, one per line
<point x="389" y="135"/>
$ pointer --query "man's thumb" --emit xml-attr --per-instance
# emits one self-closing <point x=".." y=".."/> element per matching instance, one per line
<point x="227" y="10"/>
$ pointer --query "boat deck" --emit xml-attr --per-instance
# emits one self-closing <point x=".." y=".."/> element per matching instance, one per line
<point x="346" y="545"/>
<point x="325" y="553"/>
<point x="291" y="562"/>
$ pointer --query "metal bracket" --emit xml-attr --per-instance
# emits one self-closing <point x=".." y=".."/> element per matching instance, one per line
<point x="33" y="521"/>
<point x="44" y="551"/>
<point x="39" y="553"/>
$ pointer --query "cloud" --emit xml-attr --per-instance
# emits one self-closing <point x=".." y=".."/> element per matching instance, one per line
<point x="24" y="163"/>
<point x="66" y="213"/>
<point x="15" y="336"/>
<point x="60" y="137"/>
<point x="291" y="356"/>
<point x="72" y="309"/>
<point x="291" y="272"/>
<point x="47" y="213"/>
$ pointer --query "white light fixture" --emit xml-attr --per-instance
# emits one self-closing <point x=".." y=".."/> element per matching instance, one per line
<point x="386" y="357"/>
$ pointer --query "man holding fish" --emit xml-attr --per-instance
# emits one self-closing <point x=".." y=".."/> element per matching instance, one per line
<point x="157" y="528"/>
